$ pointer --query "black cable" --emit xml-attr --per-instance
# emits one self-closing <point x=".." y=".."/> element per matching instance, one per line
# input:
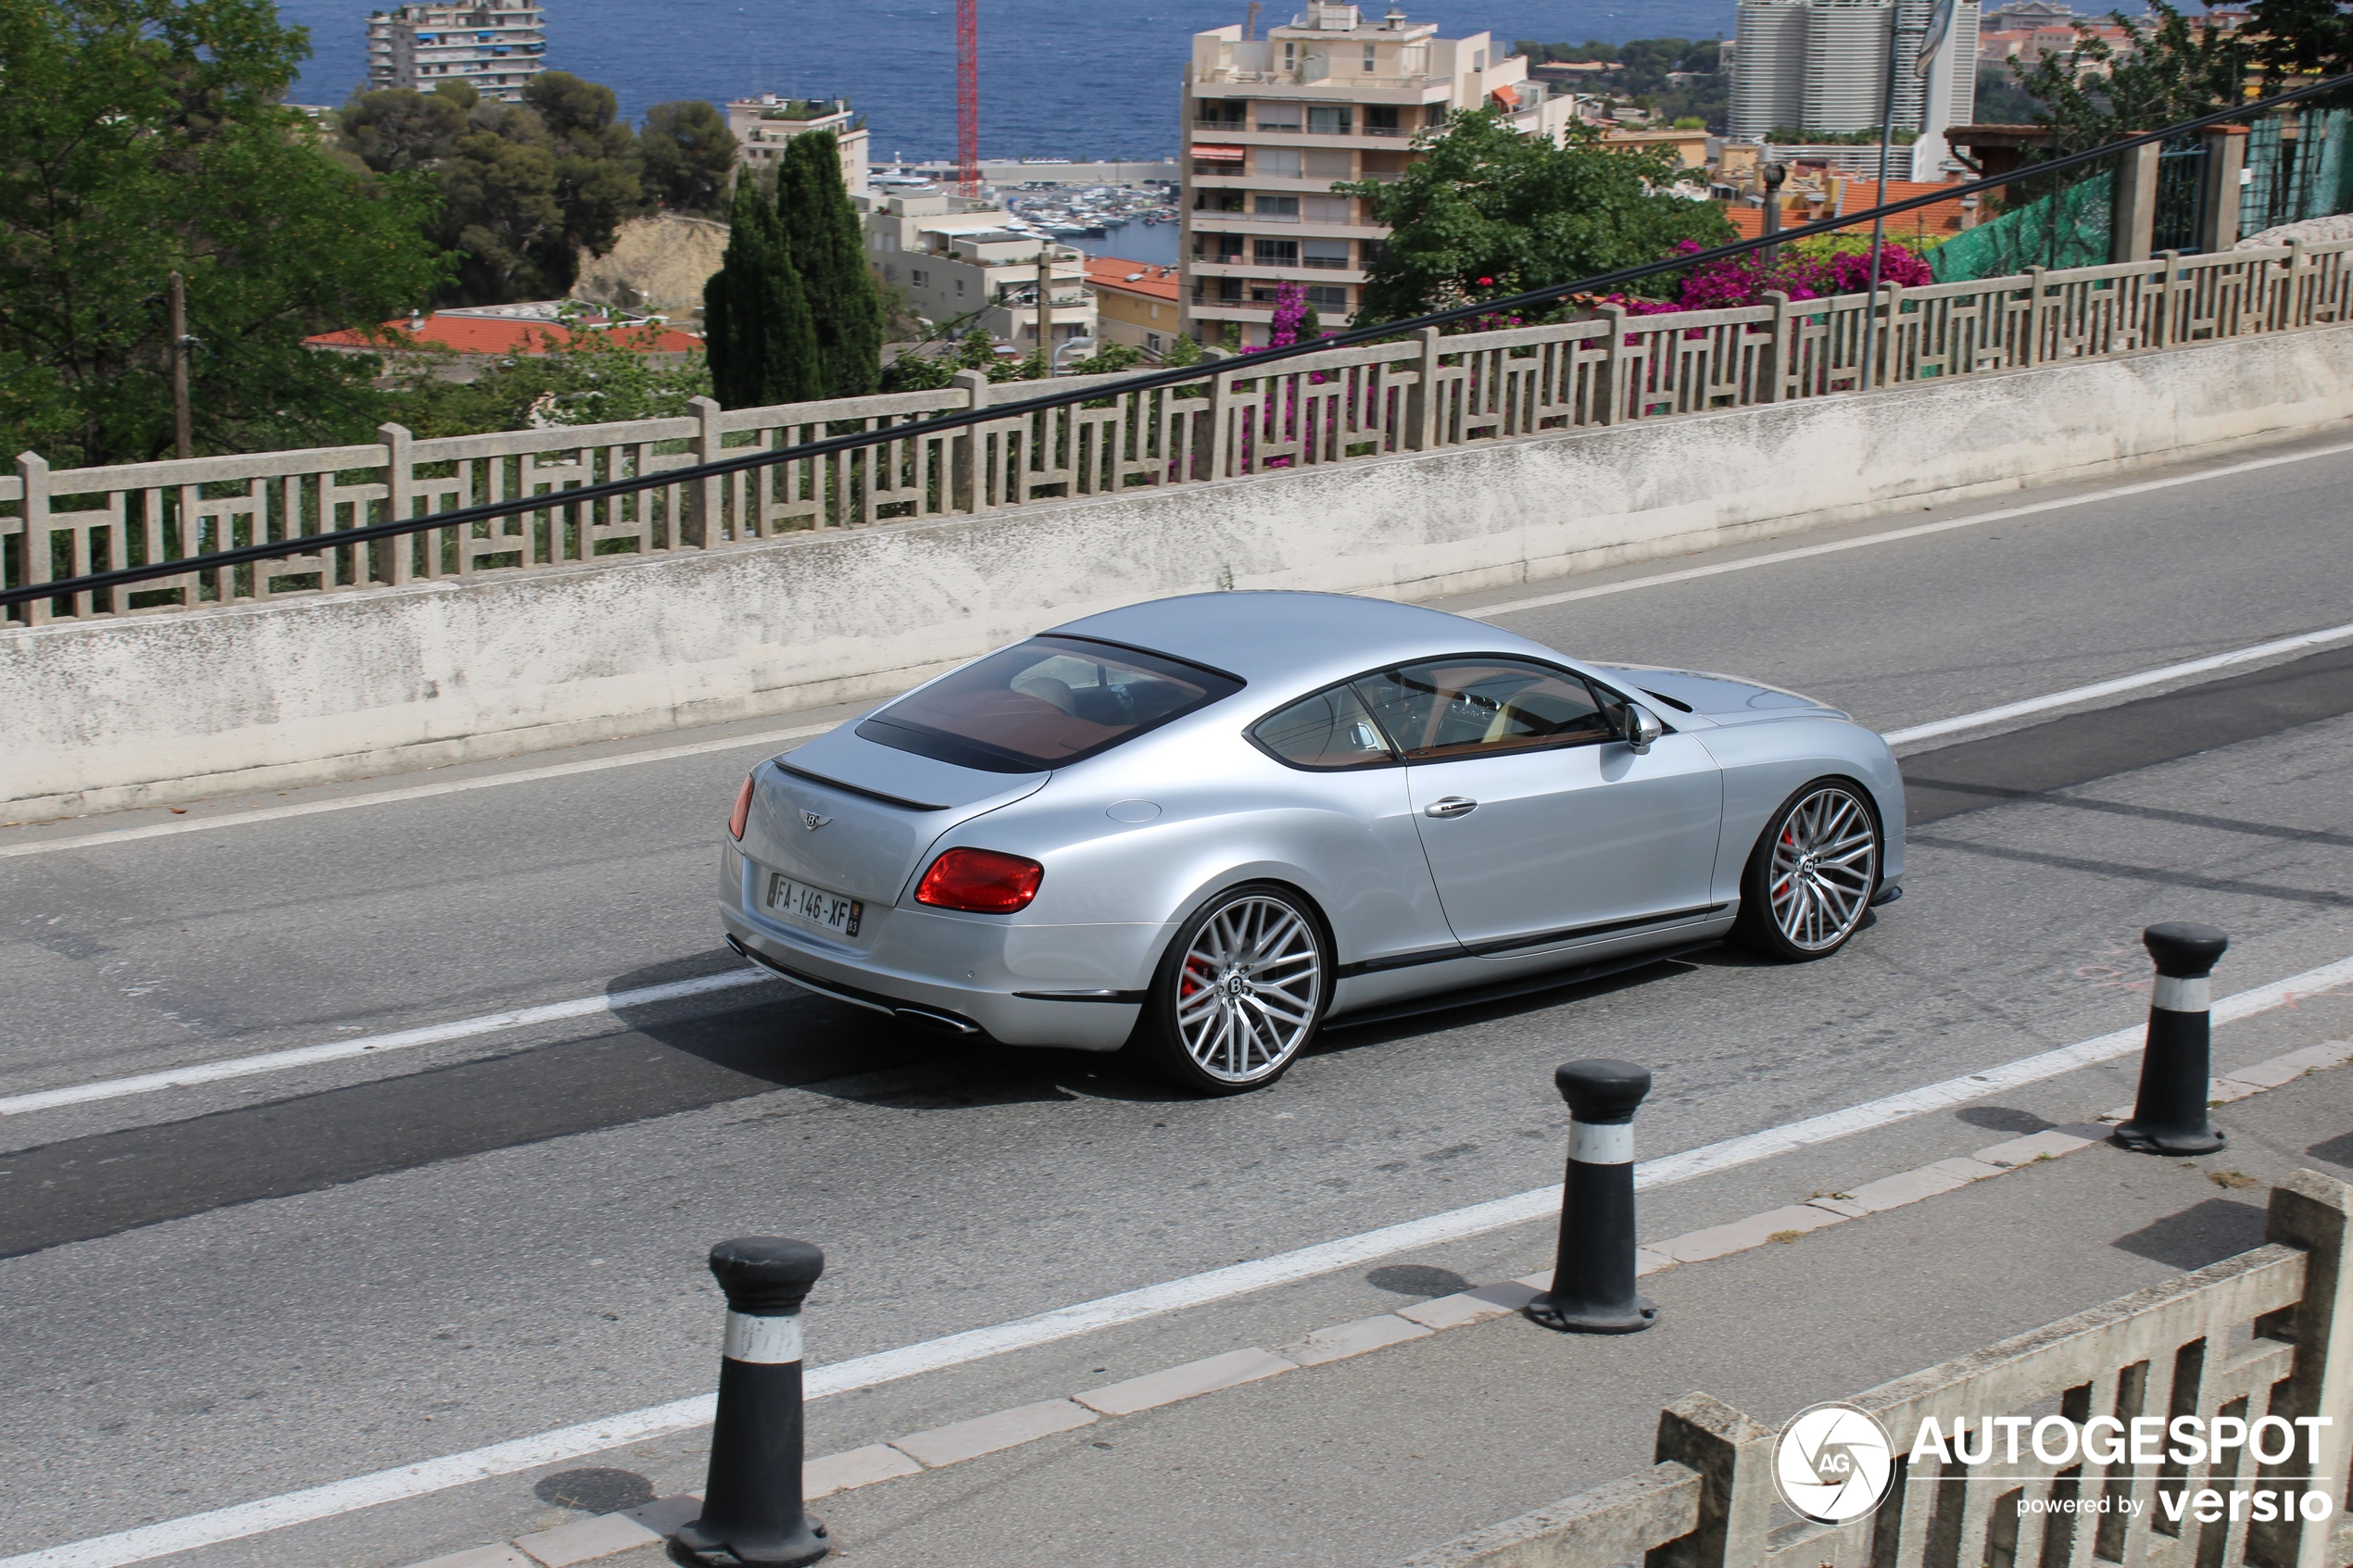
<point x="760" y="458"/>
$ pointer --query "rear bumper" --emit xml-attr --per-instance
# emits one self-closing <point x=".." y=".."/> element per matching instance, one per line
<point x="952" y="975"/>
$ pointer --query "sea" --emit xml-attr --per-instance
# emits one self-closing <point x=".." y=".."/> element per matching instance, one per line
<point x="1057" y="78"/>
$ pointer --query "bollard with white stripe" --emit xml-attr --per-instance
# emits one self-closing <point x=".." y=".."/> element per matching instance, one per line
<point x="1594" y="1281"/>
<point x="751" y="1511"/>
<point x="2169" y="1114"/>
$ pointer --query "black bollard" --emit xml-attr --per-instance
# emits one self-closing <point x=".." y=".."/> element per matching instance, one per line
<point x="751" y="1511"/>
<point x="1593" y="1282"/>
<point x="2169" y="1114"/>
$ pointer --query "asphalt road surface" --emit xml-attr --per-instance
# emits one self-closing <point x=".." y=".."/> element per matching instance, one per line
<point x="233" y="1290"/>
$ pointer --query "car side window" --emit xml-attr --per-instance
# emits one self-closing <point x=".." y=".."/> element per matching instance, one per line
<point x="1328" y="730"/>
<point x="1481" y="705"/>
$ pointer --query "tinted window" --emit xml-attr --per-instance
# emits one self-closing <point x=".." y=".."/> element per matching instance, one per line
<point x="1328" y="730"/>
<point x="1465" y="707"/>
<point x="1049" y="702"/>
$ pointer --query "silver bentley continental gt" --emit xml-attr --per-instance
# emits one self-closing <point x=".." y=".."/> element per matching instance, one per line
<point x="1208" y="826"/>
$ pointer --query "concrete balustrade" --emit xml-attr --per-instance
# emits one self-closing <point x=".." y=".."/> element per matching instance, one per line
<point x="1427" y="465"/>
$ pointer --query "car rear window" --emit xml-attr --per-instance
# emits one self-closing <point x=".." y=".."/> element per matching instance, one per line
<point x="1050" y="702"/>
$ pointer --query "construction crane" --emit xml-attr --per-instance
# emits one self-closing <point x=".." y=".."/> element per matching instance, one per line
<point x="968" y="96"/>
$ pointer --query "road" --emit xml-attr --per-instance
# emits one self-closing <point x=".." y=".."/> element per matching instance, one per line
<point x="233" y="1290"/>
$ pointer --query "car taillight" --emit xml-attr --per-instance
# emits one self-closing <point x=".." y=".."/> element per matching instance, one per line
<point x="980" y="880"/>
<point x="742" y="812"/>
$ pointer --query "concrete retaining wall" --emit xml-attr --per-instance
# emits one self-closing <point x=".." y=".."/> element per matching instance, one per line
<point x="142" y="712"/>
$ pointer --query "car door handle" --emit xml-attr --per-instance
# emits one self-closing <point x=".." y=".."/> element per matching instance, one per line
<point x="1451" y="806"/>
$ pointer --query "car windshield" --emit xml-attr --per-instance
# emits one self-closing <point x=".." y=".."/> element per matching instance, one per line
<point x="1048" y="703"/>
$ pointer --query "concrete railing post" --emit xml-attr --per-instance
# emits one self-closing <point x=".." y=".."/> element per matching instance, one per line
<point x="2312" y="1212"/>
<point x="32" y="473"/>
<point x="969" y="485"/>
<point x="1222" y="402"/>
<point x="751" y="1513"/>
<point x="1421" y="407"/>
<point x="1594" y="1278"/>
<point x="2132" y="212"/>
<point x="705" y="504"/>
<point x="400" y="498"/>
<point x="2169" y="1114"/>
<point x="1774" y="358"/>
<point x="1734" y="1458"/>
<point x="2218" y="227"/>
<point x="1609" y="388"/>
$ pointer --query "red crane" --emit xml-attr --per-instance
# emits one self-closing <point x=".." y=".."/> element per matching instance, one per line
<point x="968" y="95"/>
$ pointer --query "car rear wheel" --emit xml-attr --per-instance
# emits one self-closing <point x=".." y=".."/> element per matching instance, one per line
<point x="1810" y="879"/>
<point x="1239" y="993"/>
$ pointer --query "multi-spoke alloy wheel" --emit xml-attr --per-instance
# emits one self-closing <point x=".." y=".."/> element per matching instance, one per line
<point x="1813" y="873"/>
<point x="1242" y="990"/>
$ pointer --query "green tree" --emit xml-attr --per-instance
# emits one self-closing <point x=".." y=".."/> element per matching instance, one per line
<point x="688" y="156"/>
<point x="1487" y="202"/>
<point x="2165" y="71"/>
<point x="500" y="211"/>
<point x="396" y="129"/>
<point x="760" y="338"/>
<point x="138" y="137"/>
<point x="2293" y="38"/>
<point x="828" y="247"/>
<point x="595" y="158"/>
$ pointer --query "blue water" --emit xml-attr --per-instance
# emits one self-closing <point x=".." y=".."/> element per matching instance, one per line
<point x="1057" y="79"/>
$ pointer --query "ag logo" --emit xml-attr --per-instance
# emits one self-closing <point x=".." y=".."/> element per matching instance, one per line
<point x="1832" y="1463"/>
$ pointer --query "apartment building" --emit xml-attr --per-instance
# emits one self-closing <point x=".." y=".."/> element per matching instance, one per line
<point x="1271" y="123"/>
<point x="1822" y="65"/>
<point x="497" y="45"/>
<point x="764" y="124"/>
<point x="960" y="263"/>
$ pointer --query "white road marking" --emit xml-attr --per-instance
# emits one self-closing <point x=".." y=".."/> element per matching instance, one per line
<point x="150" y="1541"/>
<point x="412" y="792"/>
<point x="2120" y="684"/>
<point x="1917" y="531"/>
<point x="371" y="1045"/>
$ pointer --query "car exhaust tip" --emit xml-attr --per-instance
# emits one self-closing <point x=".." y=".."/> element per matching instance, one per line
<point x="931" y="1018"/>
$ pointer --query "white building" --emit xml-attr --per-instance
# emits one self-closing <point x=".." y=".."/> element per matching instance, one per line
<point x="1821" y="65"/>
<point x="1272" y="123"/>
<point x="764" y="124"/>
<point x="497" y="45"/>
<point x="959" y="263"/>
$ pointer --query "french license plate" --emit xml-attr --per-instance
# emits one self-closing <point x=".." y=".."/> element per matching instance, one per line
<point x="837" y="912"/>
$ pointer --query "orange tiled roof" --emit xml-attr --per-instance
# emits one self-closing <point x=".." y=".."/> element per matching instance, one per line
<point x="491" y="335"/>
<point x="1938" y="218"/>
<point x="1110" y="272"/>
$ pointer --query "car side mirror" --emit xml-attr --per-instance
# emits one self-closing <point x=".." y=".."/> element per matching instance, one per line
<point x="1638" y="727"/>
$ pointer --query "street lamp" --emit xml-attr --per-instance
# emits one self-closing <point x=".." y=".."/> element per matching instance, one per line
<point x="1083" y="347"/>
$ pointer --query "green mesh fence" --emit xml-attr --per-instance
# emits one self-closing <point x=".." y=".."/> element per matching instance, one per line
<point x="2291" y="178"/>
<point x="2068" y="228"/>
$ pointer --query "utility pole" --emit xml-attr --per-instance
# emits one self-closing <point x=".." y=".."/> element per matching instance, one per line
<point x="180" y="341"/>
<point x="1774" y="173"/>
<point x="1046" y="304"/>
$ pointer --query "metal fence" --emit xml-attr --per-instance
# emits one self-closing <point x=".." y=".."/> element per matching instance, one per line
<point x="1418" y="393"/>
<point x="2267" y="1332"/>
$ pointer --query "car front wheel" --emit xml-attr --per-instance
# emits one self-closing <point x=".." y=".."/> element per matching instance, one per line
<point x="1240" y="991"/>
<point x="1810" y="880"/>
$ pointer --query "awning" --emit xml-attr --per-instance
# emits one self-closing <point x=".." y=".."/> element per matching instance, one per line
<point x="1219" y="155"/>
<point x="1507" y="97"/>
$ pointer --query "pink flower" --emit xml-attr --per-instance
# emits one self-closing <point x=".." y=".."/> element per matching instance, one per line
<point x="1486" y="282"/>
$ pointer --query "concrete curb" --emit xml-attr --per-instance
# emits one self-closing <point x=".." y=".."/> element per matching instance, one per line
<point x="583" y="1540"/>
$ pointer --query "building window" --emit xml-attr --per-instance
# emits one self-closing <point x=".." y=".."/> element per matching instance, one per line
<point x="1151" y="340"/>
<point x="1433" y="114"/>
<point x="1327" y="297"/>
<point x="1330" y="255"/>
<point x="959" y="288"/>
<point x="1277" y="206"/>
<point x="1332" y="120"/>
<point x="1331" y="163"/>
<point x="1217" y="201"/>
<point x="1370" y="251"/>
<point x="1290" y="55"/>
<point x="1369" y="60"/>
<point x="1277" y="163"/>
<point x="1326" y="209"/>
<point x="1224" y="249"/>
<point x="1274" y="253"/>
<point x="918" y="277"/>
<point x="1228" y="114"/>
<point x="1278" y="116"/>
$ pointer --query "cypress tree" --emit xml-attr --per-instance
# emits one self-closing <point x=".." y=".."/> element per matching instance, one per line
<point x="757" y="327"/>
<point x="828" y="247"/>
